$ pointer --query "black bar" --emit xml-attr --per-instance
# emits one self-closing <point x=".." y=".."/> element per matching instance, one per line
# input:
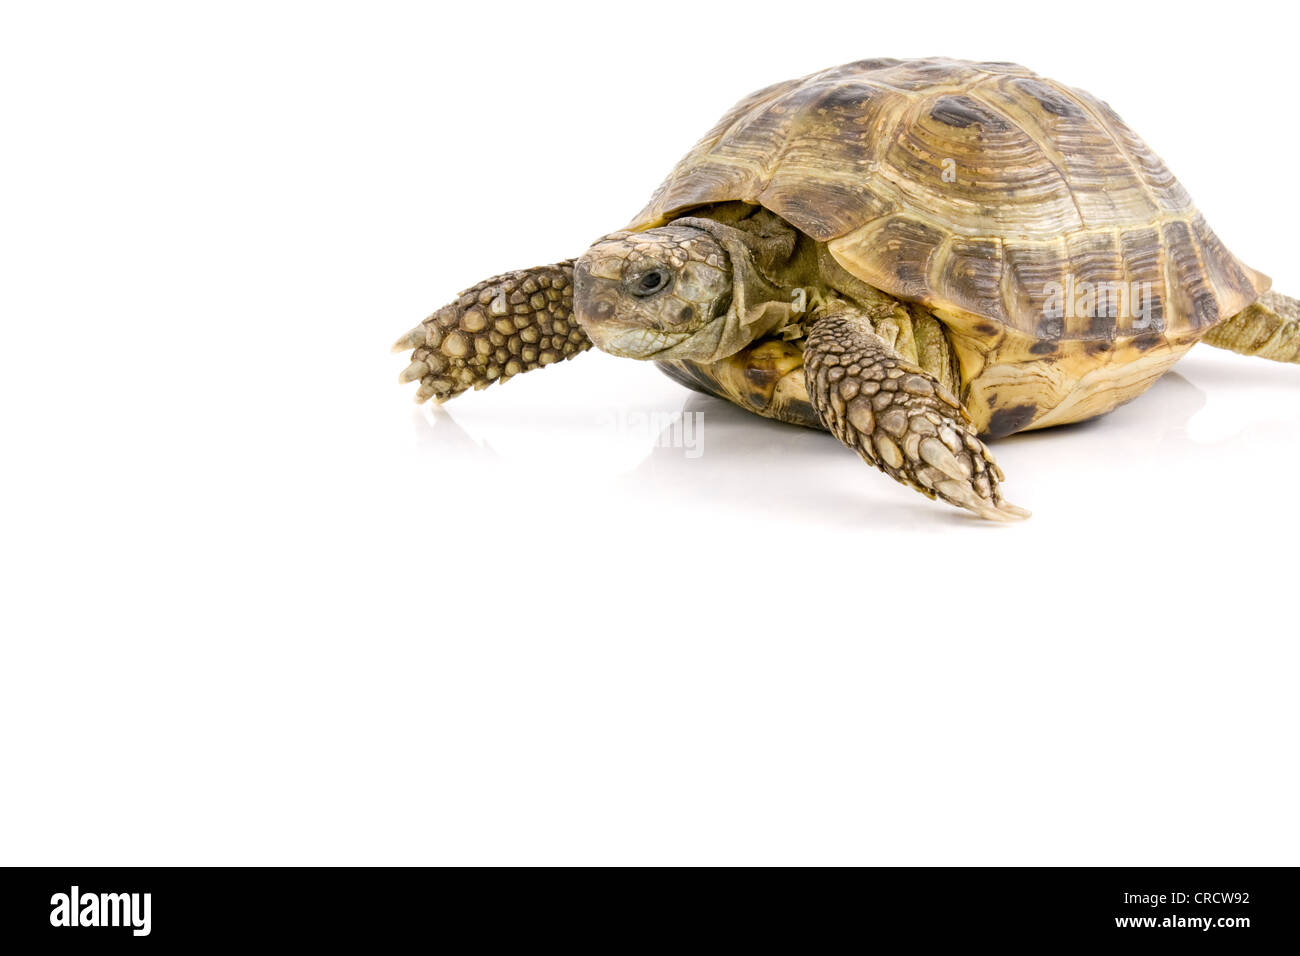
<point x="1229" y="909"/>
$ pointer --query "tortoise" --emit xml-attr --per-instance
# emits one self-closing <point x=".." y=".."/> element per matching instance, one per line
<point x="915" y="255"/>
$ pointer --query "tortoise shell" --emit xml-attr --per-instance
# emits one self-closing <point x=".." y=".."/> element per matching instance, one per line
<point x="995" y="198"/>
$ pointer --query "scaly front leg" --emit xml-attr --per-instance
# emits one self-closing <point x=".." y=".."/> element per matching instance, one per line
<point x="506" y="325"/>
<point x="899" y="418"/>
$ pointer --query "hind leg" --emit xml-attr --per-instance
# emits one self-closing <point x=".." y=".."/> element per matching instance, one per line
<point x="1269" y="329"/>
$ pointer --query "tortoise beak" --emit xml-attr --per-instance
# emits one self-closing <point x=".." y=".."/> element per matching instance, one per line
<point x="594" y="294"/>
<point x="635" y="342"/>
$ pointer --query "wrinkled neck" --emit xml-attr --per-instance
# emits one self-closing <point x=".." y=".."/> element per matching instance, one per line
<point x="762" y="301"/>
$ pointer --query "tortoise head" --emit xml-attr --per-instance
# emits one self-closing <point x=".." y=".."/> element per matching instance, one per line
<point x="675" y="292"/>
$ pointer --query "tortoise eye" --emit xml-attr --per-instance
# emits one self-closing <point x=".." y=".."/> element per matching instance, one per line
<point x="656" y="280"/>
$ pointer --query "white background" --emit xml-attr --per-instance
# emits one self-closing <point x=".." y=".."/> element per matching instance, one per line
<point x="259" y="608"/>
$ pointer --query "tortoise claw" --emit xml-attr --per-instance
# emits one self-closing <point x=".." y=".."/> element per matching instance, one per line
<point x="1002" y="511"/>
<point x="412" y="339"/>
<point x="413" y="372"/>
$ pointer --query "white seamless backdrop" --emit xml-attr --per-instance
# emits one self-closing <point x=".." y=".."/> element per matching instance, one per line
<point x="259" y="608"/>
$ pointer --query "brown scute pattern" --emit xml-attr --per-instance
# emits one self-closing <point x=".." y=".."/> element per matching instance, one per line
<point x="815" y="198"/>
<point x="1049" y="184"/>
<point x="504" y="326"/>
<point x="1026" y="272"/>
<point x="1096" y="256"/>
<point x="765" y="378"/>
<point x="905" y="248"/>
<point x="963" y="112"/>
<point x="1191" y="293"/>
<point x="1143" y="255"/>
<point x="899" y="418"/>
<point x="998" y="172"/>
<point x="1046" y="96"/>
<point x="968" y="277"/>
<point x="1220" y="266"/>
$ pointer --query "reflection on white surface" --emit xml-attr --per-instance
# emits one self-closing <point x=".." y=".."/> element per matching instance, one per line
<point x="740" y="463"/>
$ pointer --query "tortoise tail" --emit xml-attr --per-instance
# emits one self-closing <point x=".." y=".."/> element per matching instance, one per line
<point x="1270" y="328"/>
